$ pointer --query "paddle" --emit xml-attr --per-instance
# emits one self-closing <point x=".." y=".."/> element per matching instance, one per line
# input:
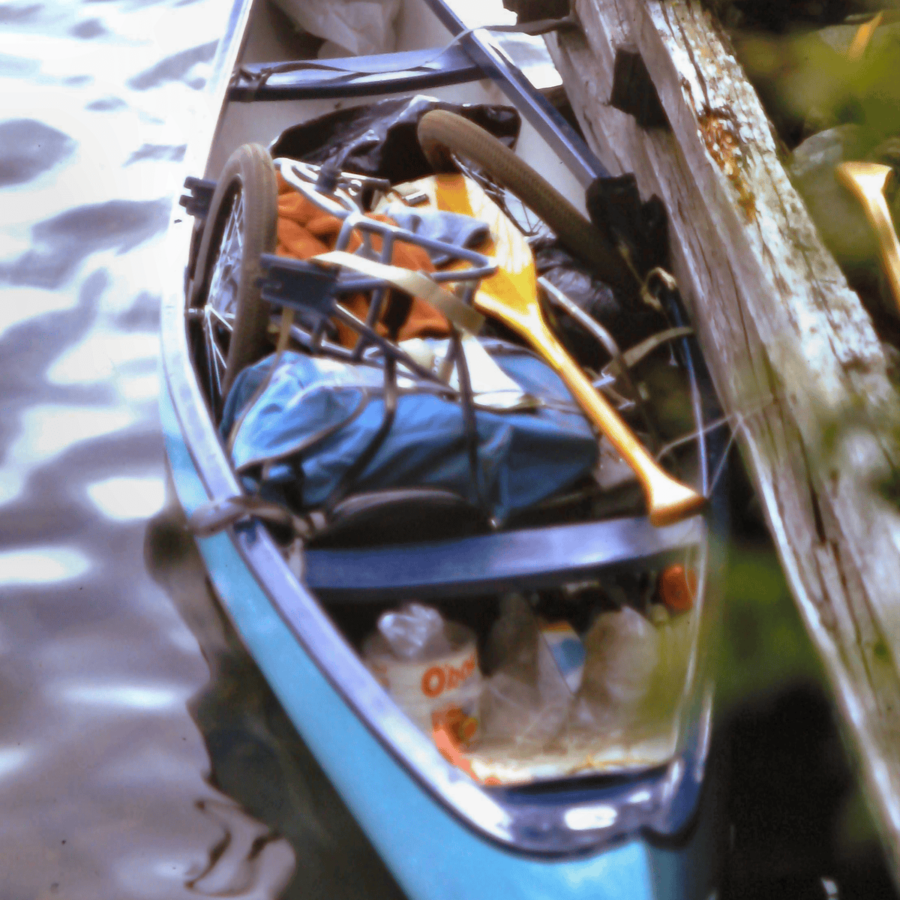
<point x="510" y="295"/>
<point x="867" y="182"/>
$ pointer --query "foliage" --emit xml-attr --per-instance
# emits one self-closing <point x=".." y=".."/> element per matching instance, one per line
<point x="763" y="644"/>
<point x="808" y="81"/>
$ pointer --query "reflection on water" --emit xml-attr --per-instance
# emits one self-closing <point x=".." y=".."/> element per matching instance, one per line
<point x="108" y="663"/>
<point x="127" y="498"/>
<point x="257" y="755"/>
<point x="38" y="565"/>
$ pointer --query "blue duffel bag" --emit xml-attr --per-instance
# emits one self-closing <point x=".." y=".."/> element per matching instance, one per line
<point x="314" y="418"/>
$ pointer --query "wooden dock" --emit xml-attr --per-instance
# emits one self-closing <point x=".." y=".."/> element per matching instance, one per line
<point x="792" y="351"/>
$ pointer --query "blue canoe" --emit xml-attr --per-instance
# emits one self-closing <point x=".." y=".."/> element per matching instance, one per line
<point x="644" y="831"/>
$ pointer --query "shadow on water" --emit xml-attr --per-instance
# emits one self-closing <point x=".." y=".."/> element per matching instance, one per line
<point x="15" y="13"/>
<point x="88" y="30"/>
<point x="173" y="68"/>
<point x="257" y="756"/>
<point x="65" y="241"/>
<point x="798" y="824"/>
<point x="102" y="786"/>
<point x="157" y="151"/>
<point x="104" y="776"/>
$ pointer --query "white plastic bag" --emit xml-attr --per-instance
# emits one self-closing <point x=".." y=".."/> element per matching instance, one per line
<point x="357" y="27"/>
<point x="414" y="632"/>
<point x="634" y="672"/>
<point x="525" y="702"/>
<point x="622" y="651"/>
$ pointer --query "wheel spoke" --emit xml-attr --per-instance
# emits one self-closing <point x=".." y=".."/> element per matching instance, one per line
<point x="225" y="277"/>
<point x="214" y="362"/>
<point x="219" y="358"/>
<point x="226" y="319"/>
<point x="231" y="317"/>
<point x="224" y="281"/>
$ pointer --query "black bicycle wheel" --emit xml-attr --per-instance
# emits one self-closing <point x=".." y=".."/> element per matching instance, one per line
<point x="240" y="227"/>
<point x="442" y="133"/>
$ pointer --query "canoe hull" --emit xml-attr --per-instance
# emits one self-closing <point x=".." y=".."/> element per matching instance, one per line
<point x="431" y="853"/>
<point x="441" y="835"/>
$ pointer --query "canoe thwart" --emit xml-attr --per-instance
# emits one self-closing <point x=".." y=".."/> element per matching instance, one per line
<point x="387" y="73"/>
<point x="529" y="559"/>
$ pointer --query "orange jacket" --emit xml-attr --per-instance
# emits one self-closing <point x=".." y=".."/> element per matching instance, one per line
<point x="305" y="231"/>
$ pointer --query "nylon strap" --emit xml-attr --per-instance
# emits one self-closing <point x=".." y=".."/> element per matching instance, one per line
<point x="418" y="285"/>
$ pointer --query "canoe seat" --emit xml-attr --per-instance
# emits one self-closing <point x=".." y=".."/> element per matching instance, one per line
<point x="528" y="559"/>
<point x="355" y="76"/>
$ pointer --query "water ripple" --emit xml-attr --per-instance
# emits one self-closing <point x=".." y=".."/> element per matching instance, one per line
<point x="137" y="697"/>
<point x="107" y="104"/>
<point x="41" y="565"/>
<point x="123" y="498"/>
<point x="29" y="148"/>
<point x="13" y="14"/>
<point x="173" y="68"/>
<point x="157" y="151"/>
<point x="111" y="712"/>
<point x="17" y="65"/>
<point x="12" y="759"/>
<point x="88" y="29"/>
<point x="64" y="241"/>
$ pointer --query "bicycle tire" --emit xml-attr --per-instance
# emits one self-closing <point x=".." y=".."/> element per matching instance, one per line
<point x="441" y="132"/>
<point x="250" y="174"/>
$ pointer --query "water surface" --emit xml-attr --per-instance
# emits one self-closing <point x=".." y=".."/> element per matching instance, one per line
<point x="141" y="756"/>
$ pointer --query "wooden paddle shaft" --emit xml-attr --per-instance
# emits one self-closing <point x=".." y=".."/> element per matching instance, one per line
<point x="510" y="295"/>
<point x="867" y="181"/>
<point x="668" y="500"/>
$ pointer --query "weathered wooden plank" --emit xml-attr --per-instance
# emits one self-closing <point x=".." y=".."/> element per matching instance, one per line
<point x="792" y="351"/>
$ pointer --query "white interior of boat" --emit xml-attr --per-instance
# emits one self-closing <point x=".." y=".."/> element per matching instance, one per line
<point x="271" y="38"/>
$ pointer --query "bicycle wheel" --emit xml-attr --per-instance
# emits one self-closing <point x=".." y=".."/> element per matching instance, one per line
<point x="442" y="133"/>
<point x="240" y="227"/>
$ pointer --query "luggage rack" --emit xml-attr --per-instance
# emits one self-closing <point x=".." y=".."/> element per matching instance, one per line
<point x="313" y="291"/>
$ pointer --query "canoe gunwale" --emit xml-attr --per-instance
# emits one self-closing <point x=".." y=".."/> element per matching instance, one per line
<point x="568" y="145"/>
<point x="669" y="795"/>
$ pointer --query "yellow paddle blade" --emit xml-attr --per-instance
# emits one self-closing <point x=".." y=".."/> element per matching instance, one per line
<point x="510" y="295"/>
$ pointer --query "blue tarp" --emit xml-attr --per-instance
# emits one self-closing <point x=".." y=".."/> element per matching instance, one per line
<point x="317" y="415"/>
